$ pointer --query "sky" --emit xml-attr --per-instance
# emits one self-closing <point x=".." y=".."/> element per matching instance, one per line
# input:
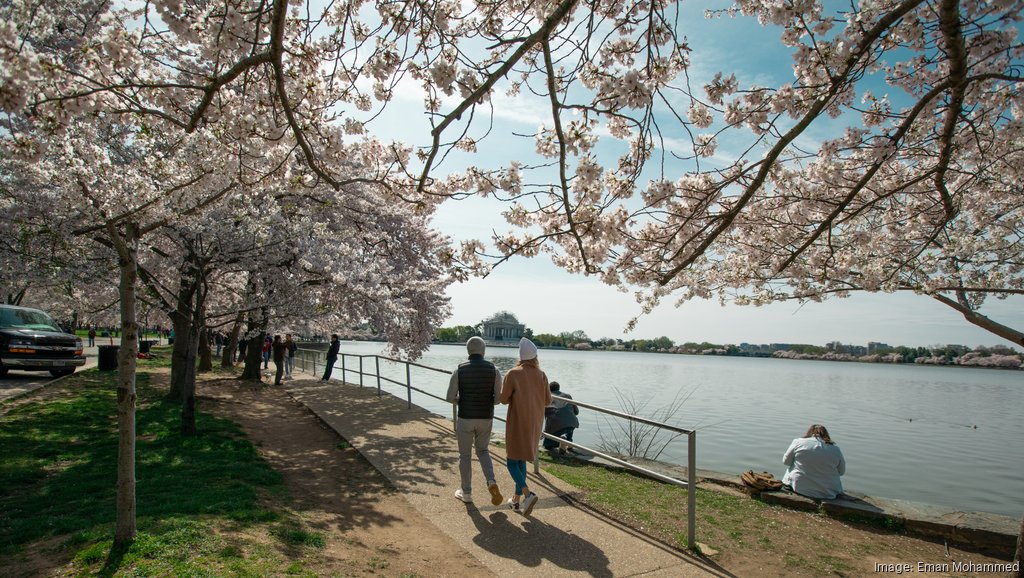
<point x="549" y="300"/>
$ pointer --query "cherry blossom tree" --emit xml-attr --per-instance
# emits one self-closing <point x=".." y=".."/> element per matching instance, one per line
<point x="918" y="192"/>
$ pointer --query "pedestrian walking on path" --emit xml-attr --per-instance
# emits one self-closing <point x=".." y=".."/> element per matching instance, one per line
<point x="475" y="386"/>
<point x="289" y="360"/>
<point x="525" y="391"/>
<point x="332" y="357"/>
<point x="267" y="343"/>
<point x="280" y="351"/>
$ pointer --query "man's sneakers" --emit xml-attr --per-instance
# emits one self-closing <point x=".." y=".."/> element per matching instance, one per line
<point x="528" y="503"/>
<point x="513" y="505"/>
<point x="496" y="497"/>
<point x="464" y="496"/>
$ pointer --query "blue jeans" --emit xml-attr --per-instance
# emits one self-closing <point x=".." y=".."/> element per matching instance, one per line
<point x="517" y="469"/>
<point x="329" y="367"/>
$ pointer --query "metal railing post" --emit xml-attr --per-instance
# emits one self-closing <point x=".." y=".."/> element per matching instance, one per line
<point x="376" y="360"/>
<point x="316" y="356"/>
<point x="343" y="368"/>
<point x="360" y="371"/>
<point x="691" y="489"/>
<point x="408" y="383"/>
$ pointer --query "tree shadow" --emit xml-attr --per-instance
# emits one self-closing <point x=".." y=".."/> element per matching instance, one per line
<point x="113" y="562"/>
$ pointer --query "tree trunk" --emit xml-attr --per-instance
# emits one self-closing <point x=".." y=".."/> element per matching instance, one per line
<point x="254" y="358"/>
<point x="125" y="529"/>
<point x="231" y="347"/>
<point x="254" y="350"/>
<point x="195" y="340"/>
<point x="181" y="320"/>
<point x="205" y="352"/>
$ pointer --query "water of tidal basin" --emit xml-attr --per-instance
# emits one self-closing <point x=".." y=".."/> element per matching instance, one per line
<point x="940" y="435"/>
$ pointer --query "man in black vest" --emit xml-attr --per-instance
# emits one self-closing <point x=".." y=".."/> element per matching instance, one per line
<point x="475" y="387"/>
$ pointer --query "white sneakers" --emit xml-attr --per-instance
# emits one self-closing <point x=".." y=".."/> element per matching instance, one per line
<point x="464" y="496"/>
<point x="524" y="506"/>
<point x="528" y="503"/>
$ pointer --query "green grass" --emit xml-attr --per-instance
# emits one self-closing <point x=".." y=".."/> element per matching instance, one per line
<point x="661" y="508"/>
<point x="58" y="473"/>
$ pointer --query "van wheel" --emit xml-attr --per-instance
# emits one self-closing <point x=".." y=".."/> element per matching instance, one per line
<point x="61" y="372"/>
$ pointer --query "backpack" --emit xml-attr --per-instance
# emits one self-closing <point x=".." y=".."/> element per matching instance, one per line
<point x="760" y="481"/>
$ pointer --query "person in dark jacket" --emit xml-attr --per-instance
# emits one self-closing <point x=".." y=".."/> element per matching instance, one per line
<point x="560" y="419"/>
<point x="279" y="350"/>
<point x="289" y="361"/>
<point x="474" y="388"/>
<point x="332" y="357"/>
<point x="243" y="343"/>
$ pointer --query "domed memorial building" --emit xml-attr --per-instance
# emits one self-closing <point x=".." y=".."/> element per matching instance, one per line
<point x="503" y="326"/>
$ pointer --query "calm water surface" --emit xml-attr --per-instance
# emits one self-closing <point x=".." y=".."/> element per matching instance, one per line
<point x="948" y="436"/>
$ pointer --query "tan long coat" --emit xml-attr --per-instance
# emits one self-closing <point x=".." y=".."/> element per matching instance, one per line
<point x="526" y="393"/>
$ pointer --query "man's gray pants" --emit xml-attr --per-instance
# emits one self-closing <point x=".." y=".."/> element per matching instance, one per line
<point x="474" y="433"/>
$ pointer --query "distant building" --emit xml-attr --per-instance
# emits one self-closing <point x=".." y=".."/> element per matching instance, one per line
<point x="876" y="347"/>
<point x="503" y="326"/>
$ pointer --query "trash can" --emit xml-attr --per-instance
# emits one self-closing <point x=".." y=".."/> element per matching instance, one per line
<point x="144" y="345"/>
<point x="107" y="357"/>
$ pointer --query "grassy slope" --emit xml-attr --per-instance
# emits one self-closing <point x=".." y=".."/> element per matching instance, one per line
<point x="207" y="505"/>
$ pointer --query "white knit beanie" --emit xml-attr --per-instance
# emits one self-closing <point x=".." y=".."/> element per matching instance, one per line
<point x="527" y="350"/>
<point x="476" y="346"/>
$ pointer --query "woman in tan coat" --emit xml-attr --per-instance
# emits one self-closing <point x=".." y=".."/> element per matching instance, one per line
<point x="526" y="393"/>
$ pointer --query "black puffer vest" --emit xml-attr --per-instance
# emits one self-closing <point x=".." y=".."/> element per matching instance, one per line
<point x="476" y="388"/>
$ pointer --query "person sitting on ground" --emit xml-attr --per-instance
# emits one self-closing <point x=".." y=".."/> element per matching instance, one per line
<point x="815" y="464"/>
<point x="560" y="419"/>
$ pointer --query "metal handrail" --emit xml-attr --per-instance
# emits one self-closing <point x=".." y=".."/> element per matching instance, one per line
<point x="691" y="435"/>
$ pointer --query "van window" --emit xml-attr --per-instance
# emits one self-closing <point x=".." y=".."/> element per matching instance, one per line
<point x="26" y="319"/>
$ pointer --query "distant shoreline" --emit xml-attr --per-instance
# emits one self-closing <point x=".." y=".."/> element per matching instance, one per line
<point x="510" y="345"/>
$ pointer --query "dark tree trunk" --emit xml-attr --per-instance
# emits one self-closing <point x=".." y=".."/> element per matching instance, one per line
<point x="125" y="528"/>
<point x="231" y="347"/>
<point x="195" y="341"/>
<point x="181" y="321"/>
<point x="205" y="352"/>
<point x="254" y="352"/>
<point x="254" y="358"/>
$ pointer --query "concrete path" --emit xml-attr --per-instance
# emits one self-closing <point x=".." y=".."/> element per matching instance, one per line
<point x="416" y="451"/>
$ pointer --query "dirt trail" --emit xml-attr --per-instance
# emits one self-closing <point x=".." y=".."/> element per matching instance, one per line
<point x="369" y="528"/>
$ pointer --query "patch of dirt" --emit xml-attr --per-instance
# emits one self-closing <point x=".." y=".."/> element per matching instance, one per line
<point x="369" y="528"/>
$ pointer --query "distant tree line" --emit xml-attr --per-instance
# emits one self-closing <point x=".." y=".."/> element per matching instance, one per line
<point x="995" y="356"/>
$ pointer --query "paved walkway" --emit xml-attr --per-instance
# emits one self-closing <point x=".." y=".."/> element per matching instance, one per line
<point x="416" y="451"/>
